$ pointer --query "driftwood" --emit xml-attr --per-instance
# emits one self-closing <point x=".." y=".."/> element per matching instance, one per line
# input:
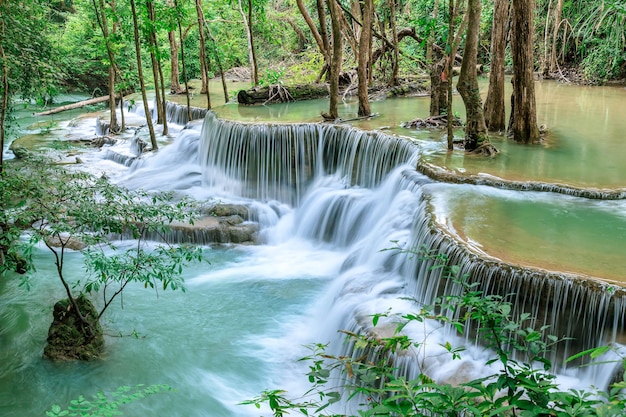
<point x="75" y="105"/>
<point x="281" y="94"/>
<point x="432" y="122"/>
<point x="479" y="69"/>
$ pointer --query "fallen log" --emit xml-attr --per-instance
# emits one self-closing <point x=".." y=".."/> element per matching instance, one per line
<point x="76" y="105"/>
<point x="281" y="94"/>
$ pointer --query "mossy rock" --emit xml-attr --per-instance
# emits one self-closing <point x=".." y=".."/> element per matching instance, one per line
<point x="69" y="337"/>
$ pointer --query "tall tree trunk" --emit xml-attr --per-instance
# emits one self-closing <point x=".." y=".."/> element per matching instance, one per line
<point x="144" y="96"/>
<point x="182" y="57"/>
<point x="171" y="36"/>
<point x="5" y="100"/>
<point x="396" y="47"/>
<point x="159" y="67"/>
<point x="495" y="118"/>
<point x="438" y="87"/>
<point x="204" y="67"/>
<point x="558" y="12"/>
<point x="475" y="128"/>
<point x="453" y="45"/>
<point x="524" y="113"/>
<point x="247" y="22"/>
<point x="336" y="57"/>
<point x="322" y="42"/>
<point x="365" y="41"/>
<point x="175" y="74"/>
<point x="152" y="41"/>
<point x="101" y="17"/>
<point x="219" y="62"/>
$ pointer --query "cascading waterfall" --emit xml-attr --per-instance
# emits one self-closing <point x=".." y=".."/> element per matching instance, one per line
<point x="360" y="191"/>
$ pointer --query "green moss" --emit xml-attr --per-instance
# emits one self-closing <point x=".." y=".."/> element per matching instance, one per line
<point x="71" y="338"/>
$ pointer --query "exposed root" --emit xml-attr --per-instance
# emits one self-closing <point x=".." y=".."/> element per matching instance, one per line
<point x="432" y="122"/>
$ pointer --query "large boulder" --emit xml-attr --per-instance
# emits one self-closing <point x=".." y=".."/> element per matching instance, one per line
<point x="72" y="338"/>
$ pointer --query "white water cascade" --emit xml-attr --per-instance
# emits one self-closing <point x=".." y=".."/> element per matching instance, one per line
<point x="358" y="194"/>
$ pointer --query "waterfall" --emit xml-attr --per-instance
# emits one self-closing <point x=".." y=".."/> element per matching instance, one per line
<point x="279" y="162"/>
<point x="359" y="193"/>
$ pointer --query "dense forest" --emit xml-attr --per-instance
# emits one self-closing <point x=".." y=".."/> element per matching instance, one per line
<point x="51" y="46"/>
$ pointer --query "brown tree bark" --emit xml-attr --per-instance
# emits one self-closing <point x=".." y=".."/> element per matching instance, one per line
<point x="438" y="89"/>
<point x="475" y="128"/>
<point x="495" y="118"/>
<point x="335" y="59"/>
<point x="524" y="127"/>
<point x="157" y="73"/>
<point x="365" y="42"/>
<point x="142" y="82"/>
<point x="321" y="38"/>
<point x="174" y="62"/>
<point x="396" y="47"/>
<point x="182" y="56"/>
<point x="101" y="17"/>
<point x="203" y="59"/>
<point x="218" y="62"/>
<point x="558" y="12"/>
<point x="247" y="22"/>
<point x="5" y="101"/>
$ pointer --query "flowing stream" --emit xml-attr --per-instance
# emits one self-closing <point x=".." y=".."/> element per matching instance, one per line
<point x="330" y="200"/>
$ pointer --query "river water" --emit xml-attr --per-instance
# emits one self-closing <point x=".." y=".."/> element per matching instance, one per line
<point x="247" y="313"/>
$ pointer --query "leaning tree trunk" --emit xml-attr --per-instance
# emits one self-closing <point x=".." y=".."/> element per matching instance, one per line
<point x="335" y="62"/>
<point x="365" y="41"/>
<point x="475" y="128"/>
<point x="320" y="36"/>
<point x="142" y="82"/>
<point x="524" y="127"/>
<point x="495" y="118"/>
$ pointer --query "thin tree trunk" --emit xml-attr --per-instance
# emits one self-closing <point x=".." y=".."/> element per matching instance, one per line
<point x="171" y="36"/>
<point x="558" y="12"/>
<point x="475" y="128"/>
<point x="219" y="62"/>
<point x="365" y="40"/>
<point x="524" y="114"/>
<point x="203" y="58"/>
<point x="495" y="118"/>
<point x="100" y="12"/>
<point x="182" y="57"/>
<point x="175" y="75"/>
<point x="144" y="96"/>
<point x="159" y="81"/>
<point x="5" y="101"/>
<point x="335" y="63"/>
<point x="396" y="47"/>
<point x="247" y="22"/>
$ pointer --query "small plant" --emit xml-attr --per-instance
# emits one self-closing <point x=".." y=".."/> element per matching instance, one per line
<point x="521" y="387"/>
<point x="74" y="211"/>
<point x="103" y="406"/>
<point x="272" y="77"/>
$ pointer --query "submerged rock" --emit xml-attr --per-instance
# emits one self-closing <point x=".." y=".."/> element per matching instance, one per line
<point x="69" y="337"/>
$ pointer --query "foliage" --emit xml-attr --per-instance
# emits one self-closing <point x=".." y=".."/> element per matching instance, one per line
<point x="517" y="387"/>
<point x="272" y="76"/>
<point x="75" y="211"/>
<point x="103" y="406"/>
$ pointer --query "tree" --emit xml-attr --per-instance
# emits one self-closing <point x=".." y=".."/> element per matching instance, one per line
<point x="494" y="104"/>
<point x="157" y="70"/>
<point x="321" y="36"/>
<point x="335" y="59"/>
<point x="247" y="22"/>
<point x="171" y="36"/>
<point x="467" y="85"/>
<point x="204" y="64"/>
<point x="24" y="56"/>
<point x="144" y="96"/>
<point x="364" y="69"/>
<point x="523" y="122"/>
<point x="101" y="17"/>
<point x="76" y="211"/>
